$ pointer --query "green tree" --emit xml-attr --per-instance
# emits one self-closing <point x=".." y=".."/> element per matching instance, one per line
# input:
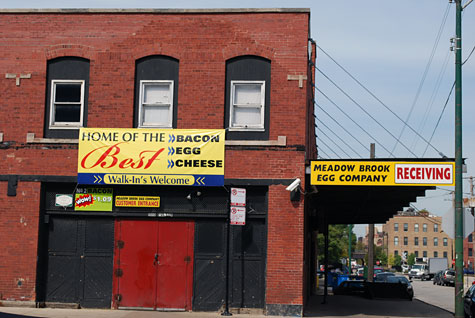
<point x="379" y="255"/>
<point x="337" y="243"/>
<point x="360" y="246"/>
<point x="391" y="260"/>
<point x="411" y="259"/>
<point x="396" y="260"/>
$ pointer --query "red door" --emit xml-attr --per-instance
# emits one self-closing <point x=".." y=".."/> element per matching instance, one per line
<point x="154" y="264"/>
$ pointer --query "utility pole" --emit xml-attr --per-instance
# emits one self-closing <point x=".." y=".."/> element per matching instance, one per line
<point x="473" y="213"/>
<point x="371" y="232"/>
<point x="459" y="311"/>
<point x="350" y="232"/>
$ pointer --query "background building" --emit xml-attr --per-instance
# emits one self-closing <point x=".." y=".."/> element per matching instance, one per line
<point x="419" y="233"/>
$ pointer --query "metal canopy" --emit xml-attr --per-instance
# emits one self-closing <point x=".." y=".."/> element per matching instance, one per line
<point x="362" y="204"/>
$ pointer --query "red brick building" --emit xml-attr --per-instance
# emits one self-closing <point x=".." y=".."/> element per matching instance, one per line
<point x="244" y="71"/>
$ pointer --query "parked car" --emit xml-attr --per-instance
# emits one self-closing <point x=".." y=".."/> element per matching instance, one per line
<point x="382" y="277"/>
<point x="377" y="270"/>
<point x="398" y="279"/>
<point x="468" y="271"/>
<point x="350" y="287"/>
<point x="469" y="302"/>
<point x="395" y="286"/>
<point x="438" y="278"/>
<point x="448" y="277"/>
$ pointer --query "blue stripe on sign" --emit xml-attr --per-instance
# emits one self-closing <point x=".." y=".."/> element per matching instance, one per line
<point x="204" y="180"/>
<point x="91" y="178"/>
<point x="200" y="180"/>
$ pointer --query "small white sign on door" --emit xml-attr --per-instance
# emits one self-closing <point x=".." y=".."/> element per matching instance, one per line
<point x="238" y="215"/>
<point x="238" y="197"/>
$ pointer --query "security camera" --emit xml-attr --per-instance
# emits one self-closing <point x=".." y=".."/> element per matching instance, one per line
<point x="294" y="185"/>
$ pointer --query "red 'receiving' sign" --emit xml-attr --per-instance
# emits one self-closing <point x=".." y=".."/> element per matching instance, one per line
<point x="424" y="173"/>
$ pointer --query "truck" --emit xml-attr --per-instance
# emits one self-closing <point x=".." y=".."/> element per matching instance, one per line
<point x="427" y="270"/>
<point x="437" y="264"/>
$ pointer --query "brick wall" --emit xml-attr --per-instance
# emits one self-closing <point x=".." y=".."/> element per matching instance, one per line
<point x="113" y="42"/>
<point x="19" y="240"/>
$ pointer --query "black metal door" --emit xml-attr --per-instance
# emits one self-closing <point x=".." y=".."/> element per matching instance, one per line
<point x="210" y="262"/>
<point x="80" y="259"/>
<point x="247" y="263"/>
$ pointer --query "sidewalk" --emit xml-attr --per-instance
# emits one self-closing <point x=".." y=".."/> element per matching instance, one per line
<point x="16" y="312"/>
<point x="336" y="306"/>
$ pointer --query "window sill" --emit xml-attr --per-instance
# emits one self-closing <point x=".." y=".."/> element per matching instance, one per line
<point x="30" y="139"/>
<point x="280" y="142"/>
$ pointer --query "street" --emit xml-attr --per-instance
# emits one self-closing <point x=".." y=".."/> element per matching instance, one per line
<point x="440" y="296"/>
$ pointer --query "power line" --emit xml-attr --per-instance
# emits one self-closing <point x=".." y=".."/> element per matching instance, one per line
<point x="342" y="127"/>
<point x="432" y="98"/>
<point x="319" y="150"/>
<point x="469" y="55"/>
<point x="321" y="131"/>
<point x="426" y="71"/>
<point x="440" y="117"/>
<point x="339" y="108"/>
<point x="365" y="111"/>
<point x="341" y="139"/>
<point x="329" y="148"/>
<point x="375" y="97"/>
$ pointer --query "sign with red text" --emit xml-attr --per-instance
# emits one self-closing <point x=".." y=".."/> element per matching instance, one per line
<point x="382" y="173"/>
<point x="238" y="215"/>
<point x="238" y="197"/>
<point x="137" y="201"/>
<point x="151" y="156"/>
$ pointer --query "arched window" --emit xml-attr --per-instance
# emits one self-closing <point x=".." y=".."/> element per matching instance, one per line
<point x="247" y="109"/>
<point x="67" y="89"/>
<point x="156" y="92"/>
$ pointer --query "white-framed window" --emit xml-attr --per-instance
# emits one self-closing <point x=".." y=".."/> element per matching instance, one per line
<point x="67" y="104"/>
<point x="247" y="105"/>
<point x="156" y="104"/>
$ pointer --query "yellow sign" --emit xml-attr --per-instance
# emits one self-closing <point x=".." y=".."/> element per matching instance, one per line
<point x="382" y="173"/>
<point x="134" y="201"/>
<point x="151" y="156"/>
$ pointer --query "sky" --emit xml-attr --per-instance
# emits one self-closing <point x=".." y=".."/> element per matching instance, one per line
<point x="391" y="48"/>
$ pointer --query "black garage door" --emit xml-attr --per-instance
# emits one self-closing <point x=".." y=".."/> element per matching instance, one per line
<point x="79" y="261"/>
<point x="247" y="264"/>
